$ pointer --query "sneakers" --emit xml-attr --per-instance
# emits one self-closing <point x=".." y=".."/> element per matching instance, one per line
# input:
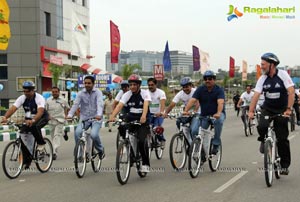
<point x="40" y="147"/>
<point x="262" y="148"/>
<point x="54" y="157"/>
<point x="215" y="149"/>
<point x="162" y="144"/>
<point x="284" y="171"/>
<point x="101" y="154"/>
<point x="145" y="169"/>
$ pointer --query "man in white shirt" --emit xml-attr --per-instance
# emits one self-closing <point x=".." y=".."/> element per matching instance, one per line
<point x="245" y="98"/>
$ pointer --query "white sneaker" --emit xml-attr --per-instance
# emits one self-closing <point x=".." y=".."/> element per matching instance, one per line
<point x="145" y="169"/>
<point x="40" y="147"/>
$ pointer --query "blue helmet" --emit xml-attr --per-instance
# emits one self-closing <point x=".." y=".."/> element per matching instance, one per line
<point x="270" y="58"/>
<point x="28" y="85"/>
<point x="209" y="73"/>
<point x="185" y="81"/>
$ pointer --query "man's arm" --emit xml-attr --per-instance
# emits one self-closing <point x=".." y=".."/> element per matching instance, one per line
<point x="189" y="105"/>
<point x="9" y="112"/>
<point x="170" y="107"/>
<point x="162" y="106"/>
<point x="220" y="108"/>
<point x="145" y="111"/>
<point x="291" y="99"/>
<point x="116" y="111"/>
<point x="253" y="104"/>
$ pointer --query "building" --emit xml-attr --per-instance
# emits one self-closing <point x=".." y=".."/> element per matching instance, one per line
<point x="182" y="62"/>
<point x="40" y="29"/>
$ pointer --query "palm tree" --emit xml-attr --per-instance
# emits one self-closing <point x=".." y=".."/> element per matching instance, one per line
<point x="128" y="69"/>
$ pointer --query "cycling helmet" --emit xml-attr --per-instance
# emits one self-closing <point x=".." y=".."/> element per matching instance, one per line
<point x="28" y="85"/>
<point x="185" y="81"/>
<point x="158" y="130"/>
<point x="135" y="78"/>
<point x="271" y="58"/>
<point x="124" y="84"/>
<point x="209" y="73"/>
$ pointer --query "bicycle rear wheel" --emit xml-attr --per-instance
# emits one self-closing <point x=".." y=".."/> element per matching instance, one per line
<point x="95" y="160"/>
<point x="12" y="160"/>
<point x="123" y="162"/>
<point x="268" y="164"/>
<point x="44" y="159"/>
<point x="178" y="151"/>
<point x="158" y="150"/>
<point x="119" y="139"/>
<point x="80" y="158"/>
<point x="277" y="166"/>
<point x="214" y="160"/>
<point x="194" y="161"/>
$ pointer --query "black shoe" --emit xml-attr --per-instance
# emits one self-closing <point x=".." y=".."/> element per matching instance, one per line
<point x="102" y="154"/>
<point x="27" y="165"/>
<point x="262" y="148"/>
<point x="284" y="171"/>
<point x="66" y="136"/>
<point x="215" y="149"/>
<point x="54" y="157"/>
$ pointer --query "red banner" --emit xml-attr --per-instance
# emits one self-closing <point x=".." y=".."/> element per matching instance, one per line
<point x="258" y="72"/>
<point x="114" y="42"/>
<point x="158" y="71"/>
<point x="231" y="67"/>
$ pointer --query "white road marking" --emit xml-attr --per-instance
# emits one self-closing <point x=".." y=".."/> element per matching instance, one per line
<point x="230" y="182"/>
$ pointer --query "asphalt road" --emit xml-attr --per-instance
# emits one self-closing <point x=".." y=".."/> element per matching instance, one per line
<point x="240" y="178"/>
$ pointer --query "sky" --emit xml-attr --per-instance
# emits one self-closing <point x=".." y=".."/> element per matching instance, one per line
<point x="148" y="24"/>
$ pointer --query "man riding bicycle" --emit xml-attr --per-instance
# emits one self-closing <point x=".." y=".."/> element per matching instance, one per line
<point x="244" y="102"/>
<point x="278" y="88"/>
<point x="137" y="101"/>
<point x="36" y="117"/>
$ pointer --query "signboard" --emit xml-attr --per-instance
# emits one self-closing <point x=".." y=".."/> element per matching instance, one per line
<point x="21" y="79"/>
<point x="56" y="60"/>
<point x="101" y="81"/>
<point x="158" y="72"/>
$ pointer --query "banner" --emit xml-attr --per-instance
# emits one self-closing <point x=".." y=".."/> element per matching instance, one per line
<point x="4" y="25"/>
<point x="196" y="59"/>
<point x="204" y="61"/>
<point x="231" y="67"/>
<point x="244" y="72"/>
<point x="158" y="71"/>
<point x="258" y="72"/>
<point x="114" y="43"/>
<point x="80" y="37"/>
<point x="167" y="59"/>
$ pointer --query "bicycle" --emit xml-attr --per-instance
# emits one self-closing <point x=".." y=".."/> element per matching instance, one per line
<point x="201" y="150"/>
<point x="12" y="158"/>
<point x="180" y="143"/>
<point x="119" y="137"/>
<point x="293" y="119"/>
<point x="154" y="142"/>
<point x="271" y="157"/>
<point x="249" y="125"/>
<point x="128" y="152"/>
<point x="85" y="151"/>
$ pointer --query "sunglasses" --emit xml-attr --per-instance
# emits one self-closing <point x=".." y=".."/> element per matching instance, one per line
<point x="26" y="91"/>
<point x="208" y="78"/>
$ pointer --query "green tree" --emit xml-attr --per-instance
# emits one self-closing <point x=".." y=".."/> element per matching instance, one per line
<point x="128" y="69"/>
<point x="57" y="71"/>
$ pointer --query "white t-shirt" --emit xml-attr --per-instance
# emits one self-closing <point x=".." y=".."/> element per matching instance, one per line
<point x="144" y="94"/>
<point x="182" y="96"/>
<point x="119" y="95"/>
<point x="156" y="97"/>
<point x="39" y="100"/>
<point x="246" y="97"/>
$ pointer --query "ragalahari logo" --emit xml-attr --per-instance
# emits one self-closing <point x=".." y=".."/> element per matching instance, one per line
<point x="233" y="13"/>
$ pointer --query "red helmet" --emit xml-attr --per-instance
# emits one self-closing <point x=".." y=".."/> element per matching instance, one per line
<point x="158" y="130"/>
<point x="135" y="78"/>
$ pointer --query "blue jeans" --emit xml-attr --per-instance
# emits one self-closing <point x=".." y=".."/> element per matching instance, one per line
<point x="157" y="121"/>
<point x="94" y="134"/>
<point x="204" y="124"/>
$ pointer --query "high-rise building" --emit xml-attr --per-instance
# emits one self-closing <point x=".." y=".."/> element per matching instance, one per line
<point x="43" y="31"/>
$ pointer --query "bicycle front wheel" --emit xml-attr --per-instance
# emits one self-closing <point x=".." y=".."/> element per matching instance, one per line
<point x="214" y="160"/>
<point x="95" y="160"/>
<point x="80" y="158"/>
<point x="268" y="164"/>
<point x="178" y="151"/>
<point x="44" y="158"/>
<point x="12" y="160"/>
<point x="194" y="161"/>
<point x="123" y="163"/>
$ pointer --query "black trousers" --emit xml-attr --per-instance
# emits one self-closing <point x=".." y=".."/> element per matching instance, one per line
<point x="296" y="107"/>
<point x="282" y="133"/>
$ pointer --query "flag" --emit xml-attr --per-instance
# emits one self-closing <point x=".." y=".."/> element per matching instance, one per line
<point x="231" y="67"/>
<point x="196" y="58"/>
<point x="204" y="61"/>
<point x="258" y="72"/>
<point x="167" y="59"/>
<point x="80" y="37"/>
<point x="244" y="72"/>
<point x="4" y="25"/>
<point x="114" y="42"/>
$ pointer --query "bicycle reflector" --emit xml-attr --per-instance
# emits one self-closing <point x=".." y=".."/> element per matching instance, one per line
<point x="158" y="130"/>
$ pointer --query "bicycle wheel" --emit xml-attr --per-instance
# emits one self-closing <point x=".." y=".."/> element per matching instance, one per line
<point x="178" y="151"/>
<point x="251" y="127"/>
<point x="214" y="160"/>
<point x="150" y="144"/>
<point x="118" y="140"/>
<point x="292" y="121"/>
<point x="95" y="160"/>
<point x="158" y="150"/>
<point x="246" y="124"/>
<point x="44" y="159"/>
<point x="268" y="164"/>
<point x="123" y="162"/>
<point x="194" y="161"/>
<point x="277" y="166"/>
<point x="80" y="158"/>
<point x="12" y="160"/>
<point x="139" y="161"/>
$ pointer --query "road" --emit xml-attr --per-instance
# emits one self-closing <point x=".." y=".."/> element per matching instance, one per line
<point x="239" y="179"/>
